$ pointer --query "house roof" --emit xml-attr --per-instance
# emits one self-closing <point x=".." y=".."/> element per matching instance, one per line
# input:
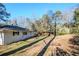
<point x="11" y="27"/>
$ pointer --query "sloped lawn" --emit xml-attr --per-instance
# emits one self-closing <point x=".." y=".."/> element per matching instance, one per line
<point x="13" y="46"/>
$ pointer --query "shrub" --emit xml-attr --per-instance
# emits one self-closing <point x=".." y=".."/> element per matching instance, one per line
<point x="75" y="30"/>
<point x="63" y="31"/>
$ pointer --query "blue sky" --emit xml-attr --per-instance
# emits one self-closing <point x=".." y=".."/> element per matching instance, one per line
<point x="35" y="9"/>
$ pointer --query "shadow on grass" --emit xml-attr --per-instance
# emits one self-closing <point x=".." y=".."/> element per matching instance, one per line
<point x="60" y="52"/>
<point x="74" y="48"/>
<point x="75" y="45"/>
<point x="74" y="40"/>
<point x="20" y="48"/>
<point x="41" y="53"/>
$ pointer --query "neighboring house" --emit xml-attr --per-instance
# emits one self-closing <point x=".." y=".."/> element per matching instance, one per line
<point x="9" y="34"/>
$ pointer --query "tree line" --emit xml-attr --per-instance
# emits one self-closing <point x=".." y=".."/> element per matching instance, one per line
<point x="56" y="23"/>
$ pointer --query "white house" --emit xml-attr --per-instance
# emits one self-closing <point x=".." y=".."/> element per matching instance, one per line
<point x="9" y="34"/>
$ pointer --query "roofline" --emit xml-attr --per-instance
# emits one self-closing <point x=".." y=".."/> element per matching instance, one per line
<point x="11" y="30"/>
<point x="4" y="27"/>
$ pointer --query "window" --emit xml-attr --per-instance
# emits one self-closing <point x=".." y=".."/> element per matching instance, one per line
<point x="15" y="33"/>
<point x="24" y="33"/>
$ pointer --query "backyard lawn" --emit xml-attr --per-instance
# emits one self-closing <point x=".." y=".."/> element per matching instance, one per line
<point x="15" y="45"/>
<point x="43" y="45"/>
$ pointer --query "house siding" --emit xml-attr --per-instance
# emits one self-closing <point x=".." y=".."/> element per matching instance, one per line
<point x="9" y="38"/>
